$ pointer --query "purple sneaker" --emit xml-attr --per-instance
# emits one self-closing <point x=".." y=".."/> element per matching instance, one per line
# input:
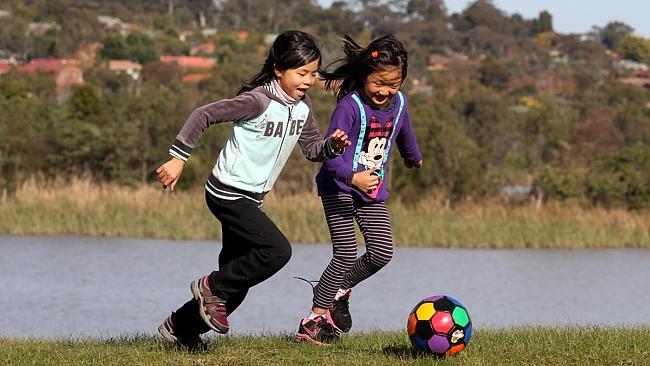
<point x="211" y="308"/>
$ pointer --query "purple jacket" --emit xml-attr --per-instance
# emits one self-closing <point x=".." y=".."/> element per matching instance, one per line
<point x="383" y="131"/>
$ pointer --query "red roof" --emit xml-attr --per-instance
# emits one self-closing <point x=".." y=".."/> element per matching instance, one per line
<point x="190" y="62"/>
<point x="49" y="65"/>
<point x="196" y="77"/>
<point x="4" y="68"/>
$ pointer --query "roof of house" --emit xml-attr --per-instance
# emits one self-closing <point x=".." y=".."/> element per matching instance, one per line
<point x="50" y="65"/>
<point x="4" y="68"/>
<point x="190" y="62"/>
<point x="195" y="78"/>
<point x="118" y="65"/>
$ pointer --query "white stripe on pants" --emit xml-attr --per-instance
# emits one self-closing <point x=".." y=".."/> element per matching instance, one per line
<point x="345" y="270"/>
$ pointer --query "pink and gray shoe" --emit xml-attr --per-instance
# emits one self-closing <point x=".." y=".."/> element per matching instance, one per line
<point x="211" y="308"/>
<point x="318" y="331"/>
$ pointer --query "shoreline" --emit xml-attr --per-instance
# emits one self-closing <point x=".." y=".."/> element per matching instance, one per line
<point x="83" y="208"/>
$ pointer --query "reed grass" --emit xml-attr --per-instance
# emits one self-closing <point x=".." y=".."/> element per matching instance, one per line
<point x="84" y="207"/>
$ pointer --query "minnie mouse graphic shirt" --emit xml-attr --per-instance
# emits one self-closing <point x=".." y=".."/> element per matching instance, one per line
<point x="374" y="134"/>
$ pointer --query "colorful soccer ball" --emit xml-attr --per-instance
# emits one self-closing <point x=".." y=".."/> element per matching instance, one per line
<point x="439" y="325"/>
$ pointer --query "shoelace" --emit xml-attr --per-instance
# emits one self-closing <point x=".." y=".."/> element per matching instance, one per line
<point x="310" y="282"/>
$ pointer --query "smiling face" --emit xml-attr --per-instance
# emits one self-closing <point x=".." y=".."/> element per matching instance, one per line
<point x="382" y="84"/>
<point x="296" y="82"/>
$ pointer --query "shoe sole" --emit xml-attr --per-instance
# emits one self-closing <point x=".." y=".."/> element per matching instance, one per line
<point x="196" y="291"/>
<point x="167" y="336"/>
<point x="304" y="337"/>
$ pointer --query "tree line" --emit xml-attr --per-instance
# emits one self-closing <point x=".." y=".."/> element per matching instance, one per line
<point x="512" y="103"/>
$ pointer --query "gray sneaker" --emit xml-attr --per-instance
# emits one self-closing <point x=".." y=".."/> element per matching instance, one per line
<point x="192" y="343"/>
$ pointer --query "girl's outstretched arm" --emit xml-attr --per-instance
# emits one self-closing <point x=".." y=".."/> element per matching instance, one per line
<point x="314" y="147"/>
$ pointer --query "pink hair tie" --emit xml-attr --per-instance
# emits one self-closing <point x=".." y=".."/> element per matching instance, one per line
<point x="374" y="54"/>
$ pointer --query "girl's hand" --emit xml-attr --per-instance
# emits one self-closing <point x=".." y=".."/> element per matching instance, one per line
<point x="339" y="139"/>
<point x="366" y="181"/>
<point x="410" y="165"/>
<point x="170" y="172"/>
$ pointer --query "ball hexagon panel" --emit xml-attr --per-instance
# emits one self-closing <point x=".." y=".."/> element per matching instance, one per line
<point x="438" y="344"/>
<point x="460" y="316"/>
<point x="423" y="329"/>
<point x="456" y="335"/>
<point x="420" y="343"/>
<point x="433" y="298"/>
<point x="410" y="327"/>
<point x="444" y="304"/>
<point x="442" y="322"/>
<point x="455" y="349"/>
<point x="425" y="311"/>
<point x="456" y="302"/>
<point x="468" y="334"/>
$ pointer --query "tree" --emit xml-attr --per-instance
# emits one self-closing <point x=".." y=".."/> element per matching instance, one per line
<point x="85" y="102"/>
<point x="622" y="178"/>
<point x="543" y="23"/>
<point x="634" y="48"/>
<point x="612" y="34"/>
<point x="493" y="73"/>
<point x="428" y="10"/>
<point x="141" y="48"/>
<point x="483" y="12"/>
<point x="114" y="48"/>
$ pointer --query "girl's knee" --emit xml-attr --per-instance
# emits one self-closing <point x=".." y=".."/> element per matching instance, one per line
<point x="282" y="254"/>
<point x="380" y="260"/>
<point x="344" y="263"/>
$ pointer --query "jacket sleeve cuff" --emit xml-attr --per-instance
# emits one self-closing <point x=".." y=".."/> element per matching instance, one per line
<point x="330" y="151"/>
<point x="180" y="151"/>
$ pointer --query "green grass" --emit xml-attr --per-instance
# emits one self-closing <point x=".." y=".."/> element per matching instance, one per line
<point x="84" y="208"/>
<point x="515" y="346"/>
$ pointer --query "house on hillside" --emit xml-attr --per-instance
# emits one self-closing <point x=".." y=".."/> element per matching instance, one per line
<point x="87" y="54"/>
<point x="636" y="81"/>
<point x="66" y="73"/>
<point x="4" y="13"/>
<point x="441" y="63"/>
<point x="130" y="68"/>
<point x="203" y="49"/>
<point x="243" y="35"/>
<point x="40" y="28"/>
<point x="207" y="32"/>
<point x="421" y="86"/>
<point x="631" y="66"/>
<point x="188" y="63"/>
<point x="112" y="23"/>
<point x="195" y="78"/>
<point x="5" y="66"/>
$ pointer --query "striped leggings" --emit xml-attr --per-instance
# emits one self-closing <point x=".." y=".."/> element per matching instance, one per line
<point x="345" y="270"/>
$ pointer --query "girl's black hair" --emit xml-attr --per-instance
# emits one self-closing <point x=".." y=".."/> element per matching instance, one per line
<point x="290" y="50"/>
<point x="359" y="62"/>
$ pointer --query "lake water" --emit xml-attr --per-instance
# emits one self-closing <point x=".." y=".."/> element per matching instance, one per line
<point x="104" y="287"/>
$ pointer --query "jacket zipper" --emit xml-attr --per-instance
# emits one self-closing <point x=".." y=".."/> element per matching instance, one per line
<point x="284" y="134"/>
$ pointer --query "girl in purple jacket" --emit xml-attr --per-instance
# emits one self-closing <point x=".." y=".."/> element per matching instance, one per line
<point x="353" y="186"/>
